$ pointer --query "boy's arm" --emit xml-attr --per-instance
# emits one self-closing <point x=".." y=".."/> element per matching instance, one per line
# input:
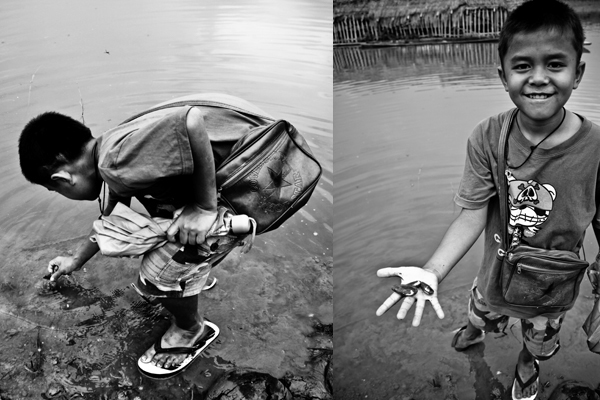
<point x="65" y="265"/>
<point x="459" y="238"/>
<point x="196" y="218"/>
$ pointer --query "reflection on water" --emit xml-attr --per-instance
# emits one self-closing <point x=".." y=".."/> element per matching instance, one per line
<point x="397" y="67"/>
<point x="105" y="61"/>
<point x="448" y="55"/>
<point x="402" y="118"/>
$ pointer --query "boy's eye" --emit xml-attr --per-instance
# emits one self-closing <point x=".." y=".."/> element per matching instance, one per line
<point x="555" y="65"/>
<point x="521" y="67"/>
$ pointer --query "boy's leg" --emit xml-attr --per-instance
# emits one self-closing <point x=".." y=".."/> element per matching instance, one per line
<point x="186" y="329"/>
<point x="526" y="370"/>
<point x="481" y="320"/>
<point x="180" y="281"/>
<point x="540" y="342"/>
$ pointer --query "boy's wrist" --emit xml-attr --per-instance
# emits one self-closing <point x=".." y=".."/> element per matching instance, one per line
<point x="77" y="263"/>
<point x="434" y="271"/>
<point x="210" y="208"/>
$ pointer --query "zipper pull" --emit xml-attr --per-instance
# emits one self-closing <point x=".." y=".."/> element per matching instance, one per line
<point x="518" y="269"/>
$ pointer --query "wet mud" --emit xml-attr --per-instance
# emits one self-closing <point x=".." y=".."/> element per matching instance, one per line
<point x="401" y="362"/>
<point x="82" y="338"/>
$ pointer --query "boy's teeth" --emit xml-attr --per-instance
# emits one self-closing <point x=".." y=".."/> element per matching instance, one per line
<point x="538" y="96"/>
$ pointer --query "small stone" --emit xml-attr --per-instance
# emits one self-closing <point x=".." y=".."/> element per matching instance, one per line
<point x="54" y="390"/>
<point x="238" y="384"/>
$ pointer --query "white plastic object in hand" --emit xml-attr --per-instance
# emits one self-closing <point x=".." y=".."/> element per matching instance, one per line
<point x="240" y="224"/>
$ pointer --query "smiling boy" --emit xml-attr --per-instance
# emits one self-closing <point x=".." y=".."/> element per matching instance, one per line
<point x="553" y="171"/>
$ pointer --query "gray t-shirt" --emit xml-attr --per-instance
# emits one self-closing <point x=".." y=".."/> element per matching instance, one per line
<point x="150" y="158"/>
<point x="553" y="195"/>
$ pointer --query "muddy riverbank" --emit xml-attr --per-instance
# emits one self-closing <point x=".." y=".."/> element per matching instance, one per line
<point x="273" y="309"/>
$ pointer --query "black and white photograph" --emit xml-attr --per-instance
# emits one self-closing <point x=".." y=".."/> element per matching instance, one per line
<point x="166" y="200"/>
<point x="467" y="172"/>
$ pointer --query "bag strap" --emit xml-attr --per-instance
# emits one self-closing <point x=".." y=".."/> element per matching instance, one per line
<point x="191" y="102"/>
<point x="502" y="186"/>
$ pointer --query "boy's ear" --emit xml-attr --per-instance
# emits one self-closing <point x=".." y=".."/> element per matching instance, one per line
<point x="62" y="176"/>
<point x="502" y="78"/>
<point x="579" y="74"/>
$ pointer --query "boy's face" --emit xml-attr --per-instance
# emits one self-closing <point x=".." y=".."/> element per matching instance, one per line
<point x="539" y="72"/>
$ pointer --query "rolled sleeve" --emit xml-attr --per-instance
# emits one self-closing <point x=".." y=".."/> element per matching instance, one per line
<point x="477" y="184"/>
<point x="139" y="154"/>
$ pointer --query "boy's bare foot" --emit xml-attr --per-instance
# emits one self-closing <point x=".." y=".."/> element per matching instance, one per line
<point x="529" y="374"/>
<point x="173" y="337"/>
<point x="466" y="337"/>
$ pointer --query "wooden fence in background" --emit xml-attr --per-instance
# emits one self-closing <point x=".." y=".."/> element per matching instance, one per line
<point x="463" y="23"/>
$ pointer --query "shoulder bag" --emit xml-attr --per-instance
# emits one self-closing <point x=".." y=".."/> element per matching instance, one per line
<point x="270" y="173"/>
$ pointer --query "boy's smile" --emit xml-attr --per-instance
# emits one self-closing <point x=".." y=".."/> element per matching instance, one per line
<point x="539" y="72"/>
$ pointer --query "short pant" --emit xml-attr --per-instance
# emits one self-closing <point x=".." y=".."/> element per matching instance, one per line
<point x="540" y="334"/>
<point x="176" y="271"/>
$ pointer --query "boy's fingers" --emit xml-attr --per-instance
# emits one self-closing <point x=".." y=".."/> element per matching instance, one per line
<point x="418" y="312"/>
<point x="200" y="239"/>
<point x="52" y="268"/>
<point x="388" y="303"/>
<point x="171" y="232"/>
<point x="55" y="276"/>
<point x="387" y="272"/>
<point x="191" y="238"/>
<point x="406" y="305"/>
<point x="437" y="307"/>
<point x="183" y="237"/>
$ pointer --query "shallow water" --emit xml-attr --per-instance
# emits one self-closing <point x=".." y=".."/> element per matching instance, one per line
<point x="402" y="117"/>
<point x="104" y="61"/>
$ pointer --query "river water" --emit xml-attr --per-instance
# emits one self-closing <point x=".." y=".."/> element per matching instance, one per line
<point x="102" y="62"/>
<point x="402" y="117"/>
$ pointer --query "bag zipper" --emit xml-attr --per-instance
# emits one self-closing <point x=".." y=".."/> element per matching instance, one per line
<point x="534" y="268"/>
<point x="250" y="164"/>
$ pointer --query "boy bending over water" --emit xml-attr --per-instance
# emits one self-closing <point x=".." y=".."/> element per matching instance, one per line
<point x="555" y="156"/>
<point x="166" y="160"/>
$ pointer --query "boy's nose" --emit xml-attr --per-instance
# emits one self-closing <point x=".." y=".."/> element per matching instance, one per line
<point x="538" y="77"/>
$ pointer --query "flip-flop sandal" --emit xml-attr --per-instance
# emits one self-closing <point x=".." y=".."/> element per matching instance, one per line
<point x="535" y="378"/>
<point x="478" y="339"/>
<point x="210" y="284"/>
<point x="153" y="371"/>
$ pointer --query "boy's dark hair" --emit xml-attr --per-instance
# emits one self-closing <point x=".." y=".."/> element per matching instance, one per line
<point x="49" y="141"/>
<point x="535" y="15"/>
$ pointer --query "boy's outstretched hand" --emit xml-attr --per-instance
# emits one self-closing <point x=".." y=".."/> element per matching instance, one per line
<point x="192" y="223"/>
<point x="411" y="274"/>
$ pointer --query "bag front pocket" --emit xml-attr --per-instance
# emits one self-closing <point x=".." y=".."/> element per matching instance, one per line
<point x="535" y="280"/>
